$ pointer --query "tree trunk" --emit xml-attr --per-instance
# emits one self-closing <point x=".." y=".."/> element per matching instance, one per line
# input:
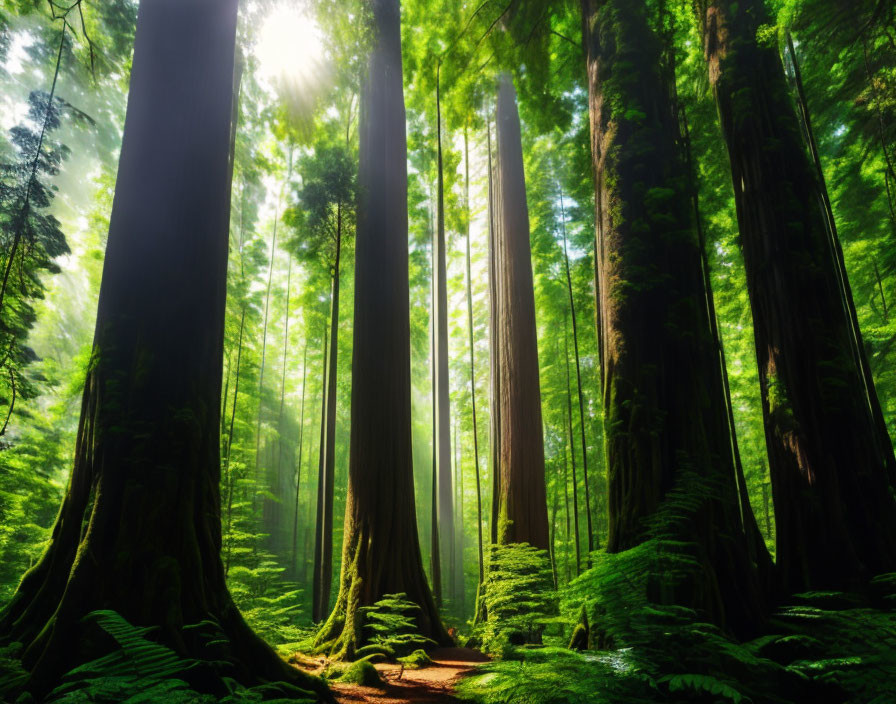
<point x="472" y="359"/>
<point x="295" y="522"/>
<point x="324" y="567"/>
<point x="522" y="502"/>
<point x="830" y="457"/>
<point x="581" y="396"/>
<point x="318" y="608"/>
<point x="494" y="354"/>
<point x="278" y="470"/>
<point x="381" y="550"/>
<point x="663" y="399"/>
<point x="144" y="497"/>
<point x="443" y="399"/>
<point x="572" y="450"/>
<point x="228" y="476"/>
<point x="435" y="553"/>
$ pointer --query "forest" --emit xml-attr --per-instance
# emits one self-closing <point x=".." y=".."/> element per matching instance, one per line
<point x="489" y="351"/>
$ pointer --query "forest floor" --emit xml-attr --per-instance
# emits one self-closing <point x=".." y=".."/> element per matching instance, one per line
<point x="428" y="685"/>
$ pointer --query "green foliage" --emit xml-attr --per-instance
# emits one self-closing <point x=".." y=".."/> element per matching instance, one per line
<point x="519" y="596"/>
<point x="139" y="670"/>
<point x="416" y="660"/>
<point x="361" y="672"/>
<point x="392" y="626"/>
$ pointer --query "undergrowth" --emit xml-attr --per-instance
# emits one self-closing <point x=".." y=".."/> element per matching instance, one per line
<point x="139" y="670"/>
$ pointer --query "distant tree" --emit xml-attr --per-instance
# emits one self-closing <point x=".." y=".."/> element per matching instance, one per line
<point x="324" y="221"/>
<point x="30" y="240"/>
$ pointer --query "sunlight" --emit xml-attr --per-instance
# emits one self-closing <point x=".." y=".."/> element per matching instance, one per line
<point x="289" y="48"/>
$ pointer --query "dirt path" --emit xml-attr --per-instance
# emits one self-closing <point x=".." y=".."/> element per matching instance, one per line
<point x="431" y="685"/>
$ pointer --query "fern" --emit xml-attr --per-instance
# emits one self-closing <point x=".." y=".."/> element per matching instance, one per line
<point x="392" y="624"/>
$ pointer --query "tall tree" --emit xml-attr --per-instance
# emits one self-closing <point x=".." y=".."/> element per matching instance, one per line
<point x="830" y="457"/>
<point x="663" y="399"/>
<point x="144" y="498"/>
<point x="324" y="220"/>
<point x="442" y="418"/>
<point x="381" y="549"/>
<point x="469" y="281"/>
<point x="522" y="502"/>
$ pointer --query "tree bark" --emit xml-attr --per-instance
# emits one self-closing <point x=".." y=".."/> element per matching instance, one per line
<point x="580" y="395"/>
<point x="318" y="609"/>
<point x="522" y="501"/>
<point x="472" y="360"/>
<point x="381" y="550"/>
<point x="441" y="390"/>
<point x="323" y="567"/>
<point x="143" y="501"/>
<point x="663" y="399"/>
<point x="830" y="457"/>
<point x="295" y="522"/>
<point x="572" y="450"/>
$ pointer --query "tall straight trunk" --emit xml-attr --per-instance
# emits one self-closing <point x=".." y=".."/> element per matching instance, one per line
<point x="381" y="549"/>
<point x="230" y="483"/>
<point x="435" y="553"/>
<point x="522" y="502"/>
<point x="571" y="439"/>
<point x="278" y="471"/>
<point x="144" y="496"/>
<point x="664" y="404"/>
<point x="324" y="567"/>
<point x="459" y="601"/>
<point x="494" y="354"/>
<point x="442" y="418"/>
<point x="758" y="550"/>
<point x="295" y="522"/>
<point x="472" y="358"/>
<point x="566" y="510"/>
<point x="830" y="457"/>
<point x="580" y="395"/>
<point x="494" y="384"/>
<point x="318" y="608"/>
<point x="264" y="333"/>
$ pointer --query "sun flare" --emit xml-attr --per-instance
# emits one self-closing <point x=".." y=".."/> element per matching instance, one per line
<point x="289" y="47"/>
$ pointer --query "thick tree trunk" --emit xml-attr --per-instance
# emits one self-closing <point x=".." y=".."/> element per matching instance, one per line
<point x="381" y="550"/>
<point x="144" y="498"/>
<point x="522" y="501"/>
<point x="830" y="458"/>
<point x="663" y="399"/>
<point x="442" y="418"/>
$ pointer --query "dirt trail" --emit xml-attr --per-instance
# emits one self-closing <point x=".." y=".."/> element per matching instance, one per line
<point x="430" y="685"/>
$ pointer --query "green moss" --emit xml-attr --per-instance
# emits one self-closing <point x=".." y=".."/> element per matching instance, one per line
<point x="363" y="673"/>
<point x="416" y="660"/>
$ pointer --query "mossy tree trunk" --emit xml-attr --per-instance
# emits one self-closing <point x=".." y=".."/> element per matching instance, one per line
<point x="139" y="530"/>
<point x="661" y="384"/>
<point x="381" y="550"/>
<point x="830" y="457"/>
<point x="522" y="500"/>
